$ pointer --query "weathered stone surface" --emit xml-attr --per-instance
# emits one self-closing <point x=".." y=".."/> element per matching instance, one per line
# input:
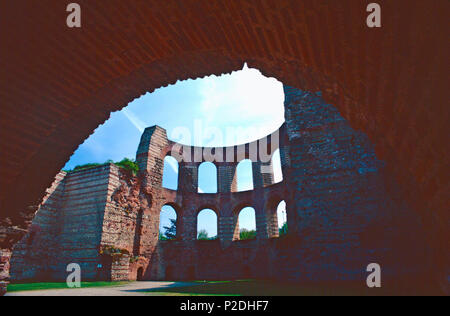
<point x="5" y="255"/>
<point x="341" y="214"/>
<point x="391" y="82"/>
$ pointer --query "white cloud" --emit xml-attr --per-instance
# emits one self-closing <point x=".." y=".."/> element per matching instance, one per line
<point x="243" y="99"/>
<point x="136" y="121"/>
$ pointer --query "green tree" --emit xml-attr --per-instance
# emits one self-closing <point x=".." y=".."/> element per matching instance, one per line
<point x="128" y="164"/>
<point x="283" y="229"/>
<point x="203" y="235"/>
<point x="171" y="231"/>
<point x="245" y="234"/>
<point x="161" y="236"/>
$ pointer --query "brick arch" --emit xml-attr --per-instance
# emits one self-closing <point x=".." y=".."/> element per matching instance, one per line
<point x="271" y="212"/>
<point x="389" y="83"/>
<point x="237" y="212"/>
<point x="105" y="75"/>
<point x="207" y="206"/>
<point x="242" y="204"/>
<point x="274" y="199"/>
<point x="178" y="209"/>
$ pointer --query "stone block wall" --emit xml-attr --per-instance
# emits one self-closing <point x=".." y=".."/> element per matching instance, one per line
<point x="67" y="228"/>
<point x="341" y="215"/>
<point x="5" y="255"/>
<point x="340" y="207"/>
<point x="35" y="256"/>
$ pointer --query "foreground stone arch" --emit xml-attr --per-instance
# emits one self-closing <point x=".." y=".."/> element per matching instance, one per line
<point x="58" y="84"/>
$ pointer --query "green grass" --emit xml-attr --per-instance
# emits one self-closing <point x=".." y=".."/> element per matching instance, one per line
<point x="249" y="288"/>
<point x="19" y="287"/>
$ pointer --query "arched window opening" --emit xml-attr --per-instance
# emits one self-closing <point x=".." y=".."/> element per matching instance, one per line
<point x="244" y="172"/>
<point x="247" y="223"/>
<point x="276" y="165"/>
<point x="170" y="173"/>
<point x="207" y="225"/>
<point x="167" y="223"/>
<point x="282" y="218"/>
<point x="207" y="178"/>
<point x="140" y="274"/>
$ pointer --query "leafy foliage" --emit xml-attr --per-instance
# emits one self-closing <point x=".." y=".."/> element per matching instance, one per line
<point x="126" y="163"/>
<point x="113" y="251"/>
<point x="283" y="230"/>
<point x="170" y="232"/>
<point x="203" y="235"/>
<point x="245" y="234"/>
<point x="86" y="166"/>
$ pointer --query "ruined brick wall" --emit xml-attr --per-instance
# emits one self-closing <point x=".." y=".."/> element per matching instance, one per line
<point x="5" y="255"/>
<point x="35" y="256"/>
<point x="341" y="209"/>
<point x="390" y="83"/>
<point x="341" y="213"/>
<point x="67" y="228"/>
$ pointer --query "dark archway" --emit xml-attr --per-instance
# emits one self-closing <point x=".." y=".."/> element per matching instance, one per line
<point x="290" y="51"/>
<point x="389" y="83"/>
<point x="140" y="274"/>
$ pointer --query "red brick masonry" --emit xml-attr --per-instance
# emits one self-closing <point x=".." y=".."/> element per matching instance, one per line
<point x="340" y="210"/>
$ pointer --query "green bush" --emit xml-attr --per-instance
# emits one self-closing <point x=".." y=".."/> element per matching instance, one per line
<point x="86" y="166"/>
<point x="129" y="165"/>
<point x="283" y="230"/>
<point x="126" y="164"/>
<point x="203" y="235"/>
<point x="245" y="234"/>
<point x="170" y="232"/>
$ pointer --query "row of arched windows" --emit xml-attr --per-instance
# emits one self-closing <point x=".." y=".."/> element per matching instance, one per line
<point x="207" y="223"/>
<point x="207" y="174"/>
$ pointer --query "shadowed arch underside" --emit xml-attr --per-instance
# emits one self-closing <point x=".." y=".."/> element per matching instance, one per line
<point x="58" y="84"/>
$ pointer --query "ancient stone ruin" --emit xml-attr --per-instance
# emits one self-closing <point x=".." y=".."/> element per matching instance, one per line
<point x="342" y="213"/>
<point x="390" y="83"/>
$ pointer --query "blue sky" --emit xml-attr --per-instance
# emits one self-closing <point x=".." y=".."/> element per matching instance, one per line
<point x="213" y="111"/>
